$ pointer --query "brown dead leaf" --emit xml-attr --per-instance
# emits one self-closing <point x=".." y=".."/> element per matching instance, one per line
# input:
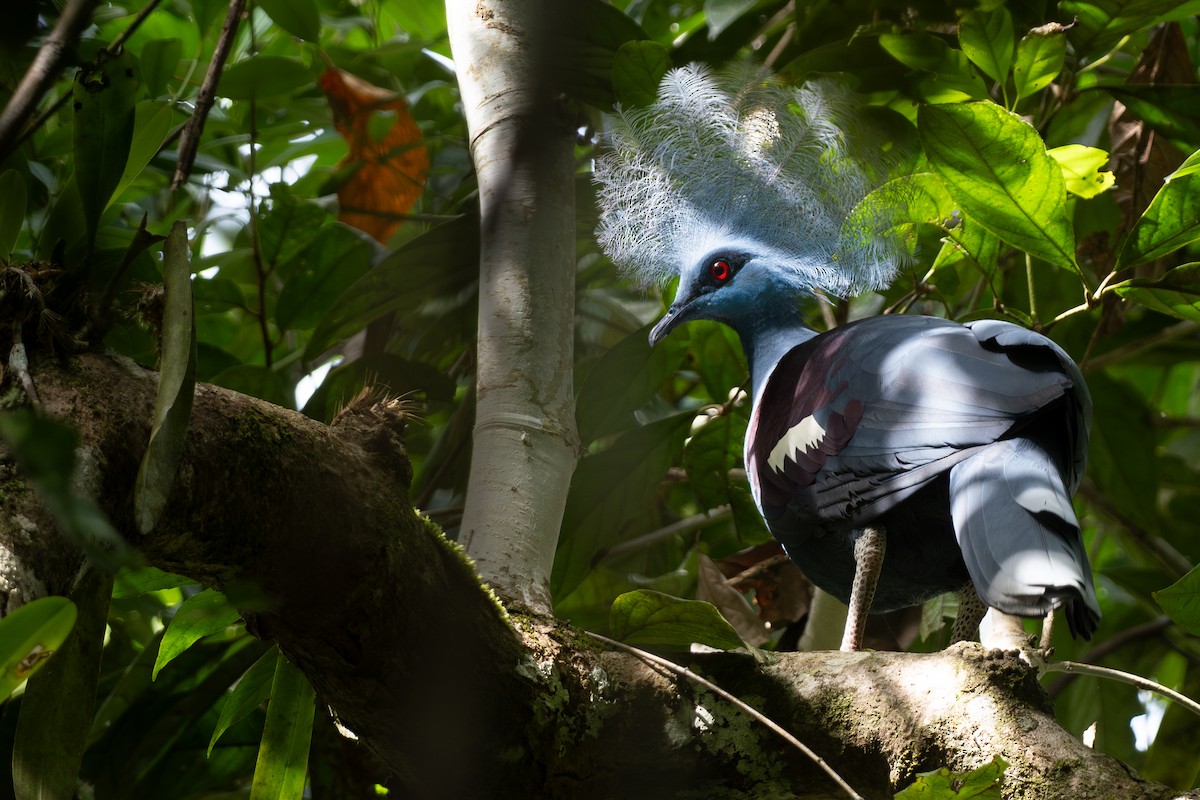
<point x="386" y="165"/>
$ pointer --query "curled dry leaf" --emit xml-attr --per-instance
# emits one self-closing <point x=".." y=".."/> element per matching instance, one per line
<point x="386" y="166"/>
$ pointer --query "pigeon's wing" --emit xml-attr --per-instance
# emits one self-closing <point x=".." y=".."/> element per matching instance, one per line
<point x="854" y="421"/>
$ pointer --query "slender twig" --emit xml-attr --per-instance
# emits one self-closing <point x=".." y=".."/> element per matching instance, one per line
<point x="1124" y="677"/>
<point x="687" y="674"/>
<point x="110" y="50"/>
<point x="702" y="520"/>
<point x="42" y="72"/>
<point x="1033" y="308"/>
<point x="1110" y="645"/>
<point x="189" y="140"/>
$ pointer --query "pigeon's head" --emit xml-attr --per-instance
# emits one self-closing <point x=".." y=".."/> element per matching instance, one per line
<point x="749" y="190"/>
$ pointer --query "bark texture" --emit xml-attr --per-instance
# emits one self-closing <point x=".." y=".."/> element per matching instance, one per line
<point x="311" y="527"/>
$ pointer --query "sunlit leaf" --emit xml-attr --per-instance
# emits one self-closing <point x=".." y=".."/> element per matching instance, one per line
<point x="645" y="617"/>
<point x="29" y="635"/>
<point x="1083" y="169"/>
<point x="1040" y="57"/>
<point x="283" y="755"/>
<point x="1171" y="221"/>
<point x="1176" y="293"/>
<point x="996" y="167"/>
<point x="984" y="783"/>
<point x="921" y="51"/>
<point x="200" y="615"/>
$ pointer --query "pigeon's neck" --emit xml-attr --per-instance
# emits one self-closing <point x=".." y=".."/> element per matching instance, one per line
<point x="766" y="339"/>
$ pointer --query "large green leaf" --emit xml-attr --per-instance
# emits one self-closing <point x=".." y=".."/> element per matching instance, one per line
<point x="56" y="711"/>
<point x="645" y="617"/>
<point x="283" y="756"/>
<point x="1173" y="111"/>
<point x="200" y="615"/>
<point x="300" y="18"/>
<point x="159" y="57"/>
<point x="1040" y="57"/>
<point x="252" y="690"/>
<point x="1172" y="219"/>
<point x="1101" y="24"/>
<point x="176" y="385"/>
<point x="997" y="169"/>
<point x="262" y="77"/>
<point x="622" y="381"/>
<point x="1121" y="458"/>
<point x="607" y="490"/>
<point x="1181" y="601"/>
<point x="1176" y="293"/>
<point x="103" y="104"/>
<point x="637" y="69"/>
<point x="30" y="635"/>
<point x="987" y="39"/>
<point x="152" y="125"/>
<point x="440" y="262"/>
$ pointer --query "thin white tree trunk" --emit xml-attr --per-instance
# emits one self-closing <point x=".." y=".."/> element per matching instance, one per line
<point x="525" y="441"/>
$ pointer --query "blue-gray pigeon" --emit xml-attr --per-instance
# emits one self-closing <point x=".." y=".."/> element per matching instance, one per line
<point x="956" y="446"/>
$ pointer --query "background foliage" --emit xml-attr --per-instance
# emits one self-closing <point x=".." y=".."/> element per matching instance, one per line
<point x="1040" y="137"/>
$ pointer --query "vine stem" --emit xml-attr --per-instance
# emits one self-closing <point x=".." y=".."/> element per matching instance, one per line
<point x="687" y="674"/>
<point x="1124" y="677"/>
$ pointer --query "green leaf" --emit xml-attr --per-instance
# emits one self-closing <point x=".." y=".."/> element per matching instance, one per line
<point x="137" y="581"/>
<point x="152" y="126"/>
<point x="176" y="385"/>
<point x="204" y="613"/>
<point x="1083" y="169"/>
<point x="283" y="755"/>
<point x="56" y="710"/>
<point x="1102" y="24"/>
<point x="252" y="690"/>
<point x="915" y="50"/>
<point x="159" y="58"/>
<point x="1171" y="221"/>
<point x="103" y="122"/>
<point x="300" y="18"/>
<point x="441" y="261"/>
<point x="984" y="783"/>
<point x="987" y="39"/>
<point x="608" y="489"/>
<point x="12" y="210"/>
<point x="645" y="617"/>
<point x="1173" y="111"/>
<point x="1181" y="601"/>
<point x="45" y="453"/>
<point x="997" y="169"/>
<point x="623" y="380"/>
<point x="288" y="226"/>
<point x="328" y="266"/>
<point x="30" y="635"/>
<point x="637" y="69"/>
<point x="1176" y="293"/>
<point x="263" y="76"/>
<point x="1040" y="57"/>
<point x="723" y="13"/>
<point x="1121" y="457"/>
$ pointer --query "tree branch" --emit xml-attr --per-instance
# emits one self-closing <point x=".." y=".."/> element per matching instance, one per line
<point x="42" y="73"/>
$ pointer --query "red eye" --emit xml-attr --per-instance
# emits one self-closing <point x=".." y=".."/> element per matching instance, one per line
<point x="720" y="270"/>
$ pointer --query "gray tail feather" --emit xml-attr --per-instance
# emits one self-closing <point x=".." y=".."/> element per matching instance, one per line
<point x="1019" y="535"/>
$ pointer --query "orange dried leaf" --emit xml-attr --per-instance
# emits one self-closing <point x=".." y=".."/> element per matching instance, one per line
<point x="387" y="162"/>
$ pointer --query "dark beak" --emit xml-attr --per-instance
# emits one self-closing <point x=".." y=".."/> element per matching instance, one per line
<point x="668" y="323"/>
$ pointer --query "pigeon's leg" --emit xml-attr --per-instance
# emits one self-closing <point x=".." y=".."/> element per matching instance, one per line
<point x="970" y="611"/>
<point x="869" y="545"/>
